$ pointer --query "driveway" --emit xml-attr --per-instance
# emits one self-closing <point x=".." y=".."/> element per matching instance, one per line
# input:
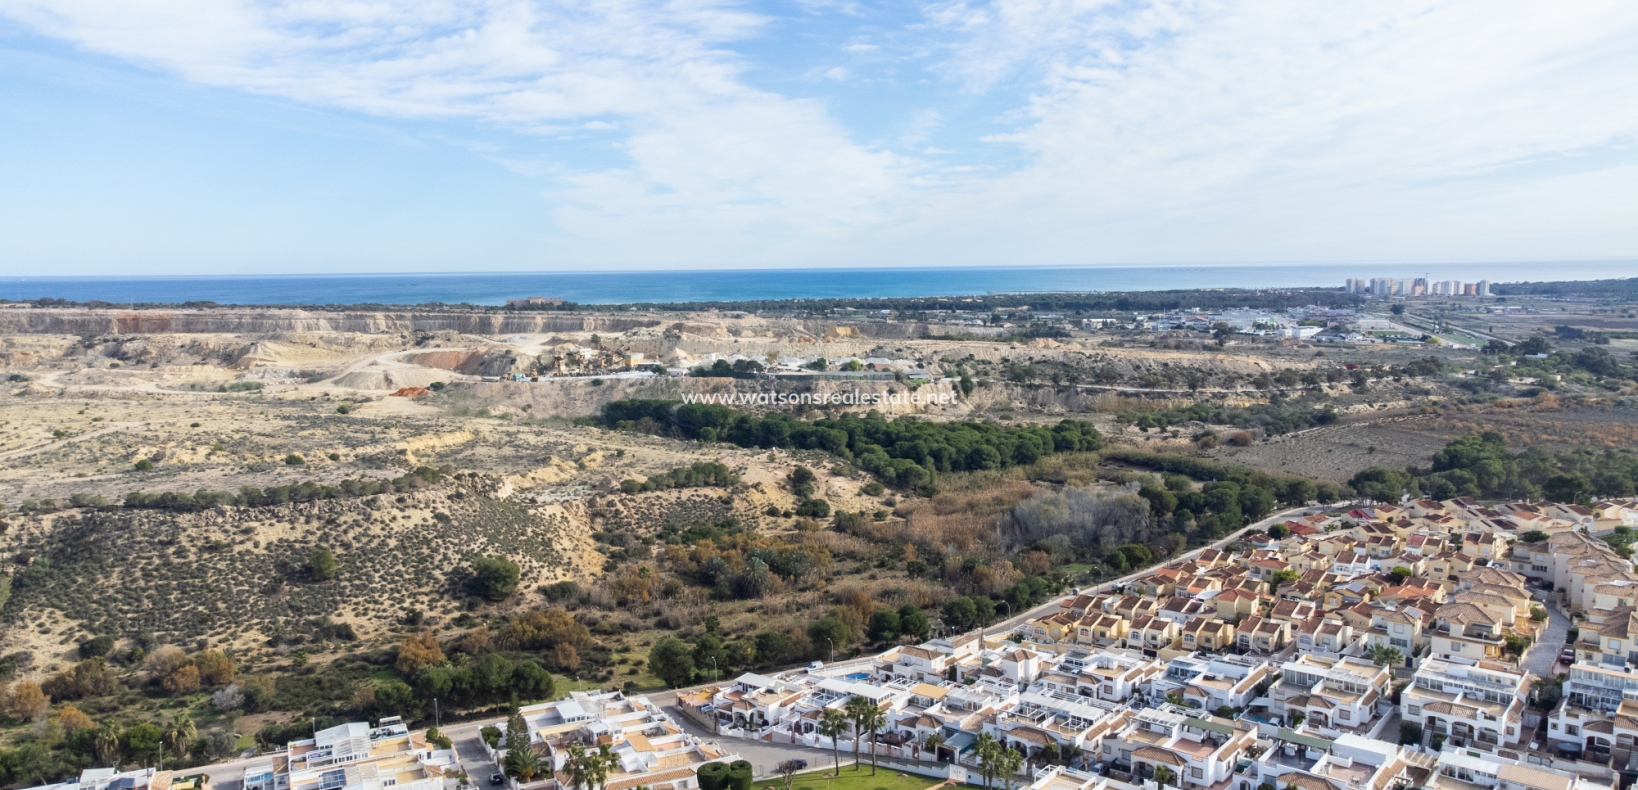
<point x="1542" y="656"/>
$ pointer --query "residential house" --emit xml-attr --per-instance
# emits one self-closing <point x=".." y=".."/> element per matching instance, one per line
<point x="1154" y="634"/>
<point x="1101" y="629"/>
<point x="1208" y="633"/>
<point x="1480" y="705"/>
<point x="1262" y="634"/>
<point x="1335" y="694"/>
<point x="1115" y="675"/>
<point x="1464" y="631"/>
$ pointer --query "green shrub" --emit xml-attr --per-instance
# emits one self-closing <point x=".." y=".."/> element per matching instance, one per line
<point x="740" y="775"/>
<point x="713" y="776"/>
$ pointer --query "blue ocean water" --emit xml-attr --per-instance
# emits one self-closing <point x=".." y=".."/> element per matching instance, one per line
<point x="740" y="284"/>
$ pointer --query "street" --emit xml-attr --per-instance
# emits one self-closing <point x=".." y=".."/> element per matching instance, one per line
<point x="1542" y="656"/>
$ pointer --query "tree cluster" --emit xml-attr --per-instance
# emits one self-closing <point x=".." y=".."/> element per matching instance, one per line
<point x="721" y="369"/>
<point x="701" y="474"/>
<point x="1273" y="419"/>
<point x="1231" y="497"/>
<point x="479" y="668"/>
<point x="906" y="452"/>
<point x="249" y="496"/>
<point x="1480" y="465"/>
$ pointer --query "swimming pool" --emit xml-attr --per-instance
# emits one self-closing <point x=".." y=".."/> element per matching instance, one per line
<point x="857" y="676"/>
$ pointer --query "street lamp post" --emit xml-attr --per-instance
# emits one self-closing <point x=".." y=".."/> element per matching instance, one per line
<point x="437" y="720"/>
<point x="832" y="649"/>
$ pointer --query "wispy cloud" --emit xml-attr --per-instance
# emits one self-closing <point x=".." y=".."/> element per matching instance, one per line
<point x="1239" y="119"/>
<point x="1262" y="129"/>
<point x="699" y="140"/>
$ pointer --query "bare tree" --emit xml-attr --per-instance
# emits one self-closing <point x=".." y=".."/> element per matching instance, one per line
<point x="787" y="770"/>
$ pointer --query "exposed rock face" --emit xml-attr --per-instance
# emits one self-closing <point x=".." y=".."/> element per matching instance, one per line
<point x="263" y="320"/>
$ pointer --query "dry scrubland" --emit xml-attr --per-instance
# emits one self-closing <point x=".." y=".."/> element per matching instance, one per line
<point x="218" y="400"/>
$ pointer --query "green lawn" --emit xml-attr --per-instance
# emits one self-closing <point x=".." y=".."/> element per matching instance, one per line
<point x="853" y="780"/>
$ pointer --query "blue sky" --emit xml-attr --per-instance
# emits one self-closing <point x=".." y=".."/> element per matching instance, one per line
<point x="234" y="136"/>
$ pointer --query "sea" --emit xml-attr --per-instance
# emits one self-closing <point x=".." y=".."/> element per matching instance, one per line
<point x="653" y="286"/>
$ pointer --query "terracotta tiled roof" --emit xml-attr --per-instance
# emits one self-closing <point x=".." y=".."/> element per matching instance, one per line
<point x="1159" y="755"/>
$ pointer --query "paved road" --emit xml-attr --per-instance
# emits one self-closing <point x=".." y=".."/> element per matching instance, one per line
<point x="761" y="754"/>
<point x="1542" y="657"/>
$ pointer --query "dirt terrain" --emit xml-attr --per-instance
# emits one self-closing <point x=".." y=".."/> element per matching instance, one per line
<point x="101" y="403"/>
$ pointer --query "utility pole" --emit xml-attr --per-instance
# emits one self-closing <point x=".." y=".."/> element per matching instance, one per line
<point x="437" y="720"/>
<point x="832" y="649"/>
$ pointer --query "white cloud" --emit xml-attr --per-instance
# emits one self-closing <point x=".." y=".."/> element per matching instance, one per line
<point x="699" y="139"/>
<point x="1213" y="130"/>
<point x="1132" y="130"/>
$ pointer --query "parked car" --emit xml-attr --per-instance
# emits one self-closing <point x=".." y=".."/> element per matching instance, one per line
<point x="497" y="779"/>
<point x="1567" y="655"/>
<point x="816" y="666"/>
<point x="801" y="765"/>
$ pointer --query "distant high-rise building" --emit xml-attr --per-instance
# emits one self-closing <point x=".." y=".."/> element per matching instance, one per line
<point x="1484" y="288"/>
<point x="1419" y="287"/>
<point x="1356" y="285"/>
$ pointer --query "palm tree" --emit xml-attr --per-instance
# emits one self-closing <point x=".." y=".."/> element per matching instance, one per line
<point x="986" y="749"/>
<point x="1385" y="655"/>
<point x="578" y="766"/>
<point x="1007" y="763"/>
<point x="872" y="720"/>
<point x="1162" y="775"/>
<point x="832" y="725"/>
<point x="522" y="764"/>
<point x="181" y="735"/>
<point x="601" y="762"/>
<point x="106" y="744"/>
<point x="857" y="709"/>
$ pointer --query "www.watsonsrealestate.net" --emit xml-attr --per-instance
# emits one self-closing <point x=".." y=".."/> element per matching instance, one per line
<point x="851" y="398"/>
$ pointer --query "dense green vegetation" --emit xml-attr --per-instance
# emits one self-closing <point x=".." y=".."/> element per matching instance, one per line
<point x="740" y="369"/>
<point x="1272" y="418"/>
<point x="1232" y="496"/>
<point x="906" y="452"/>
<point x="1480" y="465"/>
<point x="1617" y="290"/>
<point x="1536" y="358"/>
<point x="700" y="474"/>
<point x="279" y="495"/>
